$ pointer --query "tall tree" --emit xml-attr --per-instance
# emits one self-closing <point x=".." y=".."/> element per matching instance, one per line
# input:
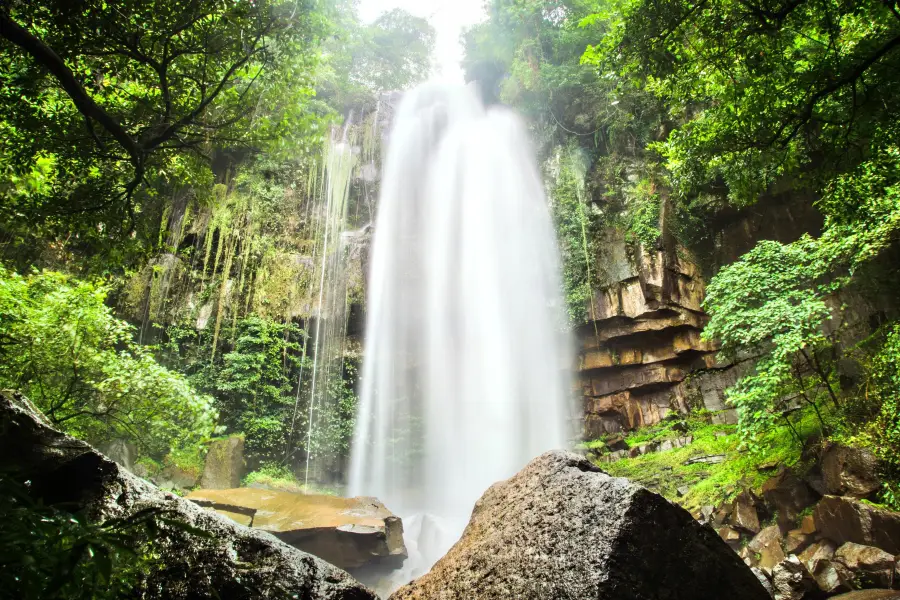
<point x="113" y="95"/>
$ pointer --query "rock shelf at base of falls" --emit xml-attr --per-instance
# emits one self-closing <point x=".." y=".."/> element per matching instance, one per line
<point x="563" y="529"/>
<point x="347" y="532"/>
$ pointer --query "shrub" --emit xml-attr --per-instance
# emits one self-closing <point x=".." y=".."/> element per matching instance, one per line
<point x="63" y="348"/>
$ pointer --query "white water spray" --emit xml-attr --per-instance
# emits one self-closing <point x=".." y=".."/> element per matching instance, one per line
<point x="466" y="370"/>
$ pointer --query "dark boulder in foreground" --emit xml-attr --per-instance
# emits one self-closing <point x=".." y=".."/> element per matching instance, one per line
<point x="562" y="529"/>
<point x="233" y="562"/>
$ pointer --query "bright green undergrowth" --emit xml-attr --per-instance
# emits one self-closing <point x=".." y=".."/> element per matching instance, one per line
<point x="710" y="484"/>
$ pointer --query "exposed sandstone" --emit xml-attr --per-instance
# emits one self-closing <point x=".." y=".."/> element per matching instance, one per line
<point x="864" y="566"/>
<point x="767" y="543"/>
<point x="847" y="520"/>
<point x="850" y="471"/>
<point x="224" y="464"/>
<point x="347" y="532"/>
<point x="787" y="495"/>
<point x="791" y="580"/>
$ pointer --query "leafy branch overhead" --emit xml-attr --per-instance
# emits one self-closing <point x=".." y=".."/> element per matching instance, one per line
<point x="761" y="88"/>
<point x="148" y="80"/>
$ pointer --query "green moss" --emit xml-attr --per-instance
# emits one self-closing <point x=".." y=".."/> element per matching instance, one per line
<point x="708" y="484"/>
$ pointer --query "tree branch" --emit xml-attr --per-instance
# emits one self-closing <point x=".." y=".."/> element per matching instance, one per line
<point x="50" y="60"/>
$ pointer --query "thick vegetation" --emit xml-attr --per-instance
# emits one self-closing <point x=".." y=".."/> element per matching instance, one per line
<point x="165" y="180"/>
<point x="660" y="119"/>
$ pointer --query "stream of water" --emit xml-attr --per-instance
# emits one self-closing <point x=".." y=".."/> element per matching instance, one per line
<point x="466" y="371"/>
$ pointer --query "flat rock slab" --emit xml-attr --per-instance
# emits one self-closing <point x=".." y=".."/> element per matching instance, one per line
<point x="562" y="529"/>
<point x="347" y="532"/>
<point x="235" y="563"/>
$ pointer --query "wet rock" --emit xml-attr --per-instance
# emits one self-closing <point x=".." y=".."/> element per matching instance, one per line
<point x="720" y="517"/>
<point x="347" y="532"/>
<point x="234" y="564"/>
<point x="709" y="459"/>
<point x="864" y="566"/>
<point x="767" y="543"/>
<point x="617" y="443"/>
<point x="743" y="512"/>
<point x="849" y="471"/>
<point x="848" y="520"/>
<point x="729" y="535"/>
<point x="750" y="558"/>
<point x="787" y="495"/>
<point x="818" y="551"/>
<point x="224" y="464"/>
<point x="827" y="577"/>
<point x="791" y="580"/>
<point x="796" y="541"/>
<point x="560" y="528"/>
<point x="808" y="525"/>
<point x="614" y="456"/>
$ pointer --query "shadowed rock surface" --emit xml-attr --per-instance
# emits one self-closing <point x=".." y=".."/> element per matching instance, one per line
<point x="347" y="532"/>
<point x="563" y="529"/>
<point x="236" y="563"/>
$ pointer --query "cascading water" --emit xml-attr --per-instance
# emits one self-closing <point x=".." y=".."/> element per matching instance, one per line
<point x="466" y="365"/>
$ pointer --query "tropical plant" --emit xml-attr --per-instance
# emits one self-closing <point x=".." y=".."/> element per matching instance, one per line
<point x="63" y="348"/>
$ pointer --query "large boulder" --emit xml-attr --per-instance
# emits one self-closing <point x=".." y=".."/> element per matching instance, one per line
<point x="563" y="529"/>
<point x="786" y="496"/>
<point x="864" y="566"/>
<point x="233" y="563"/>
<point x="870" y="595"/>
<point x="848" y="520"/>
<point x="791" y="580"/>
<point x="224" y="464"/>
<point x="743" y="512"/>
<point x="347" y="532"/>
<point x="849" y="471"/>
<point x="767" y="544"/>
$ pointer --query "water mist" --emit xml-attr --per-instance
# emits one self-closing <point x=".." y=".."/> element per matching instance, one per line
<point x="466" y="371"/>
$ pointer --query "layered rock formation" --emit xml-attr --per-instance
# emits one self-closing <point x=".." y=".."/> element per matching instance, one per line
<point x="232" y="563"/>
<point x="562" y="529"/>
<point x="347" y="532"/>
<point x="641" y="356"/>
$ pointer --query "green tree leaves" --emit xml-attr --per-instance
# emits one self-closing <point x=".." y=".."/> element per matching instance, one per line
<point x="63" y="348"/>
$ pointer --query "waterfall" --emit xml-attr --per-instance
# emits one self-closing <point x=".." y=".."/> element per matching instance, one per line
<point x="466" y="370"/>
<point x="328" y="336"/>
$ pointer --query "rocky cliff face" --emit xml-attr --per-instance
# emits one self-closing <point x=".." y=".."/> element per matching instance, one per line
<point x="641" y="356"/>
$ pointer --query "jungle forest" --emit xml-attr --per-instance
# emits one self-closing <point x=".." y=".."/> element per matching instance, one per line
<point x="270" y="286"/>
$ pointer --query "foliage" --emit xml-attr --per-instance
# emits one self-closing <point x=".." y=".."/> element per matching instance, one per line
<point x="711" y="484"/>
<point x="48" y="553"/>
<point x="392" y="53"/>
<point x="759" y="89"/>
<point x="253" y="383"/>
<point x="575" y="233"/>
<point x="64" y="349"/>
<point x="772" y="302"/>
<point x="273" y="476"/>
<point x="115" y="109"/>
